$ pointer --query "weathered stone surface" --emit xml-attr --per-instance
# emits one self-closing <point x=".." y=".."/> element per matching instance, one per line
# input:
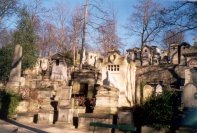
<point x="106" y="100"/>
<point x="22" y="107"/>
<point x="125" y="117"/>
<point x="138" y="94"/>
<point x="65" y="115"/>
<point x="59" y="71"/>
<point x="107" y="110"/>
<point x="154" y="74"/>
<point x="64" y="103"/>
<point x="64" y="93"/>
<point x="45" y="117"/>
<point x="147" y="92"/>
<point x="25" y="117"/>
<point x="187" y="76"/>
<point x="22" y="81"/>
<point x="46" y="105"/>
<point x="33" y="106"/>
<point x="15" y="74"/>
<point x="44" y="94"/>
<point x="188" y="99"/>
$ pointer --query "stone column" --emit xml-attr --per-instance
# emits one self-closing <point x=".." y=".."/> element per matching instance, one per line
<point x="90" y="90"/>
<point x="187" y="76"/>
<point x="15" y="74"/>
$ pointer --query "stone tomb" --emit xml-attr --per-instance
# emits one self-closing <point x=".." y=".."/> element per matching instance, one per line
<point x="188" y="99"/>
<point x="65" y="115"/>
<point x="106" y="100"/>
<point x="65" y="106"/>
<point x="46" y="111"/>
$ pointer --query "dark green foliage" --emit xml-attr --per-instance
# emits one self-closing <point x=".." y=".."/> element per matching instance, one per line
<point x="68" y="58"/>
<point x="158" y="111"/>
<point x="26" y="37"/>
<point x="8" y="103"/>
<point x="6" y="57"/>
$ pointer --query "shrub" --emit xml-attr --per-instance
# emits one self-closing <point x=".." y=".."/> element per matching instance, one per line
<point x="6" y="57"/>
<point x="8" y="103"/>
<point x="158" y="111"/>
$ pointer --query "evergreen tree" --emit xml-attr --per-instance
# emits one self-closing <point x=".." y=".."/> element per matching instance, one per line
<point x="25" y="36"/>
<point x="6" y="57"/>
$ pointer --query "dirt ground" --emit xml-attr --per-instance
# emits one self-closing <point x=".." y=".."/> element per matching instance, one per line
<point x="11" y="126"/>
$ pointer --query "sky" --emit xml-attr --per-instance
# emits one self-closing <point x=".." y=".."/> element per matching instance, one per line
<point x="123" y="8"/>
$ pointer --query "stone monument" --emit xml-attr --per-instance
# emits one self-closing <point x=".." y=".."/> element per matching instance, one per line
<point x="147" y="92"/>
<point x="188" y="99"/>
<point x="15" y="74"/>
<point x="158" y="89"/>
<point x="106" y="100"/>
<point x="65" y="109"/>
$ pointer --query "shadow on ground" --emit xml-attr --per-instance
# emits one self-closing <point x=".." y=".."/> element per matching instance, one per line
<point x="24" y="126"/>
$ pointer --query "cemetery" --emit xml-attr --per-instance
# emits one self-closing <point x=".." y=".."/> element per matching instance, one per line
<point x="107" y="94"/>
<point x="98" y="66"/>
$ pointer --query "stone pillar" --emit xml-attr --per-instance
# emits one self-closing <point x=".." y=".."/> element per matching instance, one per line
<point x="187" y="76"/>
<point x="106" y="100"/>
<point x="15" y="74"/>
<point x="46" y="111"/>
<point x="90" y="90"/>
<point x="65" y="109"/>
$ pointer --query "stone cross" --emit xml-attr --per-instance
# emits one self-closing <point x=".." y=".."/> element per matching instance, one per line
<point x="15" y="74"/>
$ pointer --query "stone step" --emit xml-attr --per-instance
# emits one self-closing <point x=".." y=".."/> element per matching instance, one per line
<point x="26" y="117"/>
<point x="45" y="117"/>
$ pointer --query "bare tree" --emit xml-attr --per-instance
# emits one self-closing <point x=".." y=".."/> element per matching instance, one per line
<point x="47" y="40"/>
<point x="173" y="36"/>
<point x="182" y="14"/>
<point x="146" y="22"/>
<point x="5" y="37"/>
<point x="108" y="39"/>
<point x="60" y="19"/>
<point x="7" y="7"/>
<point x="75" y="34"/>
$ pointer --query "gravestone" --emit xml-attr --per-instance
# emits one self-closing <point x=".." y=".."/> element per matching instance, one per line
<point x="44" y="64"/>
<point x="59" y="71"/>
<point x="15" y="74"/>
<point x="194" y="76"/>
<point x="158" y="90"/>
<point x="188" y="99"/>
<point x="147" y="92"/>
<point x="125" y="117"/>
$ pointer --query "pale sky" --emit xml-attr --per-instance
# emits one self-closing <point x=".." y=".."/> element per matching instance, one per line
<point x="123" y="8"/>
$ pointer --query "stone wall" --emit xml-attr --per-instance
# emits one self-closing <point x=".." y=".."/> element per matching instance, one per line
<point x="169" y="74"/>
